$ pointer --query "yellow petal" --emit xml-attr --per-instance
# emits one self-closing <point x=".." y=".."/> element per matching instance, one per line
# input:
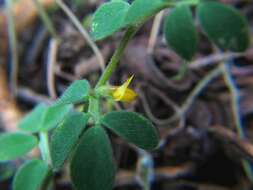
<point x="125" y="85"/>
<point x="129" y="95"/>
<point x="123" y="93"/>
<point x="128" y="81"/>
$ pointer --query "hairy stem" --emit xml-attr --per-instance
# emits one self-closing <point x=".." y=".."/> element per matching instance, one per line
<point x="110" y="68"/>
<point x="116" y="56"/>
<point x="94" y="109"/>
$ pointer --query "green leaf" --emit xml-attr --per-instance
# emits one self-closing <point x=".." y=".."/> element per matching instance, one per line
<point x="32" y="121"/>
<point x="132" y="127"/>
<point x="15" y="145"/>
<point x="44" y="118"/>
<point x="108" y="19"/>
<point x="68" y="132"/>
<point x="92" y="166"/>
<point x="224" y="25"/>
<point x="140" y="10"/>
<point x="77" y="92"/>
<point x="30" y="175"/>
<point x="180" y="32"/>
<point x="53" y="116"/>
<point x="187" y="2"/>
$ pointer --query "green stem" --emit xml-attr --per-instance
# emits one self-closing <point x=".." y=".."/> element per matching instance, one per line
<point x="45" y="148"/>
<point x="116" y="57"/>
<point x="94" y="109"/>
<point x="46" y="156"/>
<point x="235" y="99"/>
<point x="199" y="88"/>
<point x="182" y="71"/>
<point x="176" y="2"/>
<point x="45" y="18"/>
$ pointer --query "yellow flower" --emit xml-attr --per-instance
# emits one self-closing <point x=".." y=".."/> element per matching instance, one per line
<point x="123" y="93"/>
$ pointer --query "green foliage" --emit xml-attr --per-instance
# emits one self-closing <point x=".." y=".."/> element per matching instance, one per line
<point x="44" y="118"/>
<point x="53" y="116"/>
<point x="112" y="16"/>
<point x="77" y="92"/>
<point x="180" y="31"/>
<point x="31" y="122"/>
<point x="132" y="127"/>
<point x="30" y="175"/>
<point x="108" y="19"/>
<point x="224" y="25"/>
<point x="68" y="132"/>
<point x="186" y="2"/>
<point x="15" y="145"/>
<point x="92" y="166"/>
<point x="140" y="10"/>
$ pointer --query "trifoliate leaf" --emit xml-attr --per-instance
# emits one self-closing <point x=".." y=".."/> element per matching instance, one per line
<point x="224" y="25"/>
<point x="133" y="128"/>
<point x="30" y="176"/>
<point x="140" y="10"/>
<point x="66" y="136"/>
<point x="53" y="116"/>
<point x="180" y="32"/>
<point x="92" y="166"/>
<point x="32" y="121"/>
<point x="108" y="19"/>
<point x="77" y="92"/>
<point x="15" y="145"/>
